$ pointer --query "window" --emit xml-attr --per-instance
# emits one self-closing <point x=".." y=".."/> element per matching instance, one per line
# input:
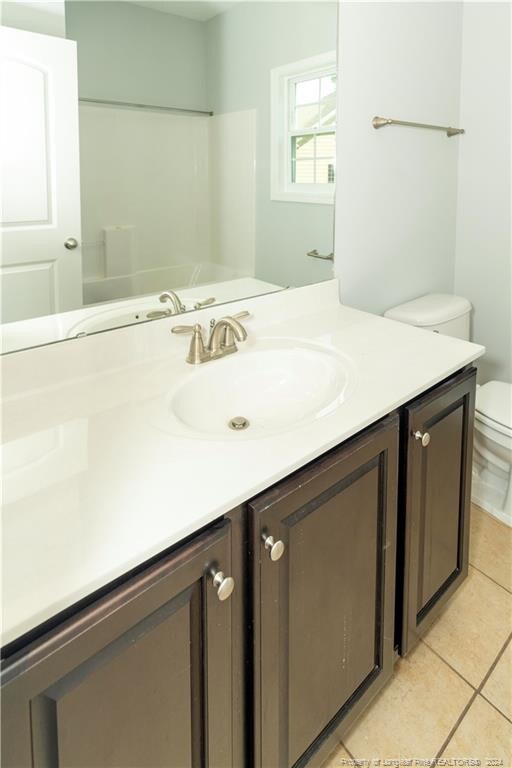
<point x="304" y="130"/>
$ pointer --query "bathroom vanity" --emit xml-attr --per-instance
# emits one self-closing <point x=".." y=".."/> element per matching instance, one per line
<point x="271" y="615"/>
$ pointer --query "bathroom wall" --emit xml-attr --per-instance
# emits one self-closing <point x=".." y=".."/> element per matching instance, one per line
<point x="397" y="187"/>
<point x="130" y="53"/>
<point x="232" y="170"/>
<point x="147" y="171"/>
<point x="483" y="248"/>
<point x="46" y="18"/>
<point x="244" y="44"/>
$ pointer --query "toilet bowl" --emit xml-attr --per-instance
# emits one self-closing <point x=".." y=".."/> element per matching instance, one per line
<point x="492" y="455"/>
<point x="492" y="458"/>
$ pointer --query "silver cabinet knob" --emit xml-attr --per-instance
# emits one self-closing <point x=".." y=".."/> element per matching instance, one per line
<point x="423" y="436"/>
<point x="274" y="548"/>
<point x="71" y="243"/>
<point x="223" y="584"/>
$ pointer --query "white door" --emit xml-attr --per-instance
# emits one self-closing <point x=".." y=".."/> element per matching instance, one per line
<point x="40" y="176"/>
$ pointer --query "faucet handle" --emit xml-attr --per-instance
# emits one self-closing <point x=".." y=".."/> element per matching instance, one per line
<point x="205" y="302"/>
<point x="197" y="352"/>
<point x="241" y="315"/>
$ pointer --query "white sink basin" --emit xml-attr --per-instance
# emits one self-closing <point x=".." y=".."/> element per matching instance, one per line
<point x="275" y="385"/>
<point x="126" y="313"/>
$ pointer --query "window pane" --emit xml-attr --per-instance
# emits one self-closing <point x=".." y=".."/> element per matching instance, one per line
<point x="325" y="171"/>
<point x="327" y="85"/>
<point x="307" y="91"/>
<point x="303" y="147"/>
<point x="325" y="145"/>
<point x="303" y="172"/>
<point x="328" y="110"/>
<point x="306" y="117"/>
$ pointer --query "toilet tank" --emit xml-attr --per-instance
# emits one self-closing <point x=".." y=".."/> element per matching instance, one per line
<point x="438" y="312"/>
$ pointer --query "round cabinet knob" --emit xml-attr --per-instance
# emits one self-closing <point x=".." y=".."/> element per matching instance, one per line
<point x="274" y="548"/>
<point x="71" y="243"/>
<point x="223" y="584"/>
<point x="423" y="436"/>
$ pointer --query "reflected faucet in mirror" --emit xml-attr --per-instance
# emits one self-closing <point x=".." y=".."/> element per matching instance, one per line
<point x="176" y="308"/>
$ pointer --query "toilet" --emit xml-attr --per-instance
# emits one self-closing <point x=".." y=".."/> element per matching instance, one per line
<point x="492" y="455"/>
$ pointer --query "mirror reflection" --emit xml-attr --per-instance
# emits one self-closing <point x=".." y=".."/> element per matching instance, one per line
<point x="199" y="169"/>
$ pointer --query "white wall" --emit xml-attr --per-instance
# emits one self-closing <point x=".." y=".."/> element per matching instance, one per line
<point x="47" y="18"/>
<point x="147" y="170"/>
<point x="483" y="252"/>
<point x="396" y="187"/>
<point x="232" y="170"/>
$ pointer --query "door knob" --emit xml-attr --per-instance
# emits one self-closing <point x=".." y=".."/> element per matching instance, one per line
<point x="71" y="243"/>
<point x="423" y="436"/>
<point x="274" y="548"/>
<point x="223" y="584"/>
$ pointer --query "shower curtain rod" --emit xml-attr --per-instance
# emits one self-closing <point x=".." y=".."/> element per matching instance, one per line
<point x="154" y="107"/>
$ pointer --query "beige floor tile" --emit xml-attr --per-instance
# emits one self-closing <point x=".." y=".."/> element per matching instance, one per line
<point x="498" y="688"/>
<point x="473" y="627"/>
<point x="483" y="735"/>
<point x="414" y="714"/>
<point x="490" y="547"/>
<point x="338" y="759"/>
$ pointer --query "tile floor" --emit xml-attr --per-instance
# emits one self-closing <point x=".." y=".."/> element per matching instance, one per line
<point x="451" y="698"/>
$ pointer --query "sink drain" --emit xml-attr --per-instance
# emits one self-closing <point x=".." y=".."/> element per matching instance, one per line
<point x="238" y="422"/>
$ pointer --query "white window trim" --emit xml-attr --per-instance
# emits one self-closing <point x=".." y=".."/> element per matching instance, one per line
<point x="281" y="187"/>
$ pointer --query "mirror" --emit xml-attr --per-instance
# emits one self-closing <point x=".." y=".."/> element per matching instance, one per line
<point x="199" y="169"/>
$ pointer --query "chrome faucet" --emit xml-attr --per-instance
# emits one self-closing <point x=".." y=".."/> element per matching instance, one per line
<point x="223" y="336"/>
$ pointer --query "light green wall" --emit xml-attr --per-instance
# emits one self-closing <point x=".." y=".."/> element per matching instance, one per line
<point x="130" y="53"/>
<point x="244" y="44"/>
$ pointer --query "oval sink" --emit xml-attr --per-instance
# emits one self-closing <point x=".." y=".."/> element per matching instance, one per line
<point x="270" y="388"/>
<point x="127" y="313"/>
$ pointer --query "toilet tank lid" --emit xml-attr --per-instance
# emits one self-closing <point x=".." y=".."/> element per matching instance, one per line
<point x="431" y="309"/>
<point x="494" y="400"/>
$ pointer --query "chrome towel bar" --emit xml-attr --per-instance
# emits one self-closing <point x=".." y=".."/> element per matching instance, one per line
<point x="381" y="122"/>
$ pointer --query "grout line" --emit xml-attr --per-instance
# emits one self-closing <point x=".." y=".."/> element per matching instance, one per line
<point x="347" y="750"/>
<point x="456" y="725"/>
<point x="490" y="578"/>
<point x="447" y="664"/>
<point x="473" y="697"/>
<point x="495" y="662"/>
<point x="484" y="697"/>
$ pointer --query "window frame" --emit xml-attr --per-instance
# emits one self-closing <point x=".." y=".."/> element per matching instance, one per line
<point x="282" y="79"/>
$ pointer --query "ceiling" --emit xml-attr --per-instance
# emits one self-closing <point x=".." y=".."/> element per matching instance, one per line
<point x="199" y="10"/>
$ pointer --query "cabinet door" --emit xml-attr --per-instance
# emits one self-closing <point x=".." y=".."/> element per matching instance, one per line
<point x="323" y="612"/>
<point x="140" y="678"/>
<point x="438" y="437"/>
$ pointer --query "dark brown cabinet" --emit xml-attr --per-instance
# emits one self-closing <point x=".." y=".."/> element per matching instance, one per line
<point x="323" y="609"/>
<point x="436" y="494"/>
<point x="140" y="678"/>
<point x="160" y="672"/>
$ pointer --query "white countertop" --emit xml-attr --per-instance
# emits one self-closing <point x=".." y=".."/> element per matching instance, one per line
<point x="92" y="488"/>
